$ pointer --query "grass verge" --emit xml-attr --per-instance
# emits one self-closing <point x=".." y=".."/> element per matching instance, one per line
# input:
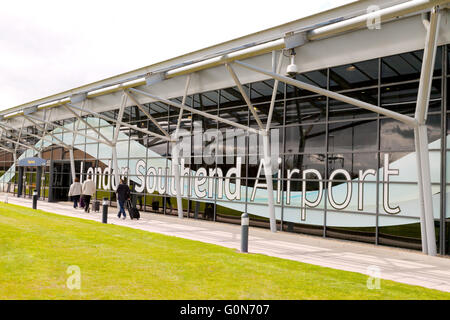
<point x="36" y="249"/>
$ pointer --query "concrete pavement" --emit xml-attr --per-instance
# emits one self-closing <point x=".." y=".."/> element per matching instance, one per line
<point x="401" y="265"/>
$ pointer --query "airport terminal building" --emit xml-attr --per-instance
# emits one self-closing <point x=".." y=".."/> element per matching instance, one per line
<point x="345" y="111"/>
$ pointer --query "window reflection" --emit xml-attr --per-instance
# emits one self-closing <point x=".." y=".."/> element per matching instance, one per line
<point x="306" y="110"/>
<point x="355" y="75"/>
<point x="307" y="139"/>
<point x="352" y="136"/>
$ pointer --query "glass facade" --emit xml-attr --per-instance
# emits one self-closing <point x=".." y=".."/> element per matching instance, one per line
<point x="346" y="150"/>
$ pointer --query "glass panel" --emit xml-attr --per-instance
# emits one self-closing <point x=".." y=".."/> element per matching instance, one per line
<point x="351" y="226"/>
<point x="305" y="110"/>
<point x="339" y="110"/>
<point x="399" y="232"/>
<point x="355" y="75"/>
<point x="396" y="135"/>
<point x="402" y="97"/>
<point x="352" y="136"/>
<point x="307" y="139"/>
<point x="352" y="163"/>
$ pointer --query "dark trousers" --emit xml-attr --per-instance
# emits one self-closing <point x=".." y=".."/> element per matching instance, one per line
<point x="122" y="208"/>
<point x="87" y="201"/>
<point x="75" y="200"/>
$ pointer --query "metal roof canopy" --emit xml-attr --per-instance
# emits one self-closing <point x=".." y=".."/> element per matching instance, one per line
<point x="318" y="26"/>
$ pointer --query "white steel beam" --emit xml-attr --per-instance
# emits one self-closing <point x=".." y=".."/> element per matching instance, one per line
<point x="245" y="96"/>
<point x="423" y="229"/>
<point x="383" y="15"/>
<point x="269" y="181"/>
<point x="20" y="134"/>
<point x="275" y="68"/>
<point x="115" y="138"/>
<point x="141" y="107"/>
<point x="192" y="110"/>
<point x="176" y="165"/>
<point x="267" y="147"/>
<point x="6" y="148"/>
<point x="44" y="131"/>
<point x="79" y="117"/>
<point x="421" y="135"/>
<point x="119" y="118"/>
<point x="115" y="166"/>
<point x="134" y="127"/>
<point x="333" y="95"/>
<point x="65" y="129"/>
<point x="76" y="126"/>
<point x="26" y="145"/>
<point x="72" y="164"/>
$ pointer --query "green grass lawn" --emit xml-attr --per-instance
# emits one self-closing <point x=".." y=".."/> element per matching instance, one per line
<point x="36" y="248"/>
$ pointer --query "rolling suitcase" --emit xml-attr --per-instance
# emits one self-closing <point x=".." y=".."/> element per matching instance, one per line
<point x="134" y="212"/>
<point x="82" y="201"/>
<point x="96" y="206"/>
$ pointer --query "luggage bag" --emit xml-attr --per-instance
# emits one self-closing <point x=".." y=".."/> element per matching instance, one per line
<point x="134" y="212"/>
<point x="96" y="206"/>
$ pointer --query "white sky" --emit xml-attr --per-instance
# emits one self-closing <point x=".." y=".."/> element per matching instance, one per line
<point x="49" y="46"/>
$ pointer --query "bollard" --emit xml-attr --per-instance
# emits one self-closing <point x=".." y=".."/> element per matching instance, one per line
<point x="244" y="232"/>
<point x="35" y="198"/>
<point x="6" y="197"/>
<point x="105" y="210"/>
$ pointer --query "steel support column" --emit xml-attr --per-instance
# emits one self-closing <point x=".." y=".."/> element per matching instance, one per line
<point x="114" y="141"/>
<point x="267" y="146"/>
<point x="421" y="135"/>
<point x="115" y="166"/>
<point x="264" y="134"/>
<point x="423" y="230"/>
<point x="269" y="181"/>
<point x="72" y="164"/>
<point x="176" y="165"/>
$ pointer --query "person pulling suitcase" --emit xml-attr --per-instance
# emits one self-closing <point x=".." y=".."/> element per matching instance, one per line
<point x="123" y="194"/>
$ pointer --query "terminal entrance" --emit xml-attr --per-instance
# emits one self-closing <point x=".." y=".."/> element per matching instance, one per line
<point x="60" y="180"/>
<point x="30" y="174"/>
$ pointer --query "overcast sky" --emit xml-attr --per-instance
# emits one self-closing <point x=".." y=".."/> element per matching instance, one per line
<point x="51" y="46"/>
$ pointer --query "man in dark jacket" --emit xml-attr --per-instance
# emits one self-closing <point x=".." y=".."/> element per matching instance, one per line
<point x="123" y="194"/>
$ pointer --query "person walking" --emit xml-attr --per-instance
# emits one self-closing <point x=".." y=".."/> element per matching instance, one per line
<point x="123" y="194"/>
<point x="88" y="190"/>
<point x="75" y="192"/>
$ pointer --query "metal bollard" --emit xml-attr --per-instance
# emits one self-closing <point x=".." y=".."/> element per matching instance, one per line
<point x="35" y="199"/>
<point x="105" y="210"/>
<point x="244" y="232"/>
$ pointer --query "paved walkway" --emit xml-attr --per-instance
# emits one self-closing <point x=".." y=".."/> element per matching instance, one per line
<point x="400" y="265"/>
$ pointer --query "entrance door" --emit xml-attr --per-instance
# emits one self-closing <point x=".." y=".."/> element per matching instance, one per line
<point x="60" y="180"/>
